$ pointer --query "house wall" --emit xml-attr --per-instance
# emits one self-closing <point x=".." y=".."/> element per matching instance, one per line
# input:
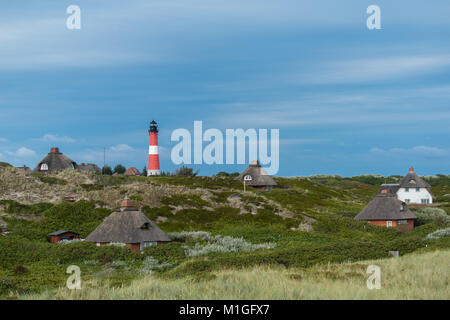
<point x="413" y="195"/>
<point x="403" y="227"/>
<point x="136" y="247"/>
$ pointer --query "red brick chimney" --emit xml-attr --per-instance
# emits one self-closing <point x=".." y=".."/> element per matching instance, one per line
<point x="411" y="169"/>
<point x="54" y="150"/>
<point x="126" y="203"/>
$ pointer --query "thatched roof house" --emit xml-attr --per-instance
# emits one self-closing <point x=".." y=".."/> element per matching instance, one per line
<point x="256" y="177"/>
<point x="55" y="161"/>
<point x="129" y="226"/>
<point x="387" y="211"/>
<point x="90" y="167"/>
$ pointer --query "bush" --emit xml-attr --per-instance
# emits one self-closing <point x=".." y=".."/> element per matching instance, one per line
<point x="442" y="233"/>
<point x="432" y="215"/>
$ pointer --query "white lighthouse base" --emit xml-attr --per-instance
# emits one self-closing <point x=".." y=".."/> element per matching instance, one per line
<point x="153" y="173"/>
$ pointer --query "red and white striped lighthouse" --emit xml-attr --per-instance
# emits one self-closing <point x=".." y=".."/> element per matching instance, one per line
<point x="153" y="155"/>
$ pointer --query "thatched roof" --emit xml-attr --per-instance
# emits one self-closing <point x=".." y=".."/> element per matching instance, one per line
<point x="412" y="180"/>
<point x="127" y="225"/>
<point x="91" y="167"/>
<point x="259" y="176"/>
<point x="390" y="188"/>
<point x="385" y="207"/>
<point x="56" y="161"/>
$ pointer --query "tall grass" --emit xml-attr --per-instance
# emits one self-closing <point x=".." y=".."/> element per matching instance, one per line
<point x="415" y="276"/>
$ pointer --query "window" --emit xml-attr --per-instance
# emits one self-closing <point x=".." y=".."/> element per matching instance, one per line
<point x="408" y="200"/>
<point x="417" y="189"/>
<point x="388" y="223"/>
<point x="248" y="178"/>
<point x="425" y="201"/>
<point x="146" y="225"/>
<point x="406" y="189"/>
<point x="148" y="244"/>
<point x="44" y="167"/>
<point x="402" y="222"/>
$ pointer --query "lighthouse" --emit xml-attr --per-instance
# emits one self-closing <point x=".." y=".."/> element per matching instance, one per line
<point x="153" y="155"/>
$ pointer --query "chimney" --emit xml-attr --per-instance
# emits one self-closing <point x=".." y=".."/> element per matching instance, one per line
<point x="126" y="203"/>
<point x="411" y="169"/>
<point x="54" y="150"/>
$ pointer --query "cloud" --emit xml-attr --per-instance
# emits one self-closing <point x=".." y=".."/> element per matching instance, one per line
<point x="372" y="69"/>
<point x="302" y="141"/>
<point x="55" y="138"/>
<point x="3" y="139"/>
<point x="121" y="148"/>
<point x="417" y="151"/>
<point x="22" y="153"/>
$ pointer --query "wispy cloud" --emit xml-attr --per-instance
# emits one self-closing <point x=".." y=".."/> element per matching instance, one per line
<point x="372" y="69"/>
<point x="22" y="153"/>
<point x="419" y="151"/>
<point x="55" y="138"/>
<point x="3" y="139"/>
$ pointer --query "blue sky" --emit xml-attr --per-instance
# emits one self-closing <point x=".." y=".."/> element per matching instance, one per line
<point x="347" y="100"/>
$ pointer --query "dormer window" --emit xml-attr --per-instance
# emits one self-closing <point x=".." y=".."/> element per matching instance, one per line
<point x="145" y="226"/>
<point x="412" y="181"/>
<point x="44" y="167"/>
<point x="248" y="178"/>
<point x="406" y="189"/>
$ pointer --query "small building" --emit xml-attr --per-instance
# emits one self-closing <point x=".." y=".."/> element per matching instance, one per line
<point x="129" y="226"/>
<point x="55" y="161"/>
<point x="413" y="189"/>
<point x="57" y="236"/>
<point x="132" y="171"/>
<point x="256" y="177"/>
<point x="90" y="167"/>
<point x="386" y="210"/>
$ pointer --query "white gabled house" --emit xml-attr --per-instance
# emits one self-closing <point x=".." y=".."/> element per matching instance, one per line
<point x="411" y="189"/>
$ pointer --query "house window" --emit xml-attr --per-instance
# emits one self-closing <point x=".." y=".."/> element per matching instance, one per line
<point x="44" y="167"/>
<point x="417" y="189"/>
<point x="406" y="189"/>
<point x="425" y="201"/>
<point x="408" y="200"/>
<point x="388" y="223"/>
<point x="402" y="222"/>
<point x="148" y="244"/>
<point x="248" y="178"/>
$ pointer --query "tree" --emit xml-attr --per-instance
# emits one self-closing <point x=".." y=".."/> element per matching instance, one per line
<point x="185" y="172"/>
<point x="107" y="170"/>
<point x="144" y="171"/>
<point x="120" y="169"/>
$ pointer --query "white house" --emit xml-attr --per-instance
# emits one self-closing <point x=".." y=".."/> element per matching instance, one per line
<point x="413" y="189"/>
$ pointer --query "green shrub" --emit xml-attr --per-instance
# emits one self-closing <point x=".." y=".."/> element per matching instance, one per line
<point x="431" y="215"/>
<point x="442" y="233"/>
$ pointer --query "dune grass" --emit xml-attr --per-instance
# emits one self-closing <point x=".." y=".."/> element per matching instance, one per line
<point x="414" y="276"/>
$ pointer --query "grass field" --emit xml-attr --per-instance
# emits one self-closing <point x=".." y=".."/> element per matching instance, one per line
<point x="414" y="276"/>
<point x="302" y="223"/>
